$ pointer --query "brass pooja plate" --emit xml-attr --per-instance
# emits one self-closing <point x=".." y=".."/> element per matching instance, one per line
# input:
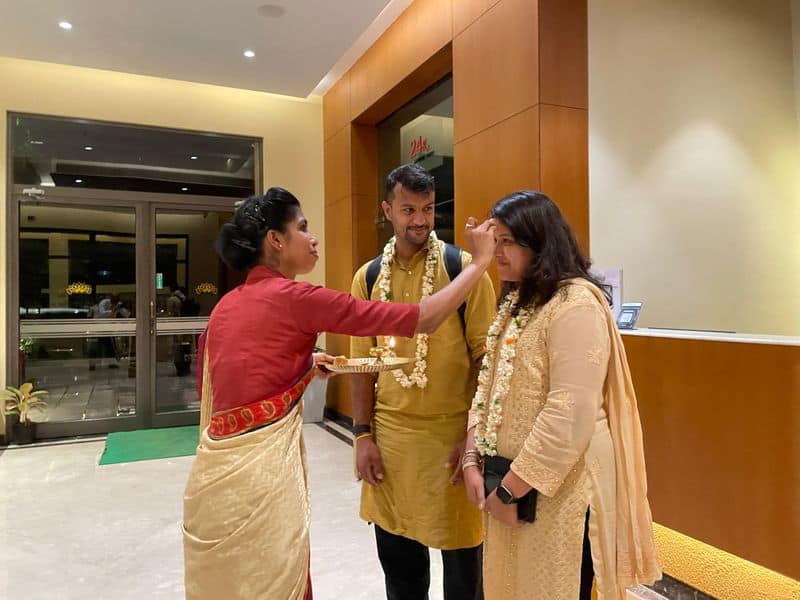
<point x="368" y="365"/>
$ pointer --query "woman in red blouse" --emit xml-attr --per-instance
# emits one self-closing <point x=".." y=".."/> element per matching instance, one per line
<point x="246" y="508"/>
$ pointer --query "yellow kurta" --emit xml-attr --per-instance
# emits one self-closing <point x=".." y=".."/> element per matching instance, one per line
<point x="555" y="429"/>
<point x="415" y="429"/>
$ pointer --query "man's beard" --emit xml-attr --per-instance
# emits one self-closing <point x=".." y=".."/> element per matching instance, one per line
<point x="417" y="233"/>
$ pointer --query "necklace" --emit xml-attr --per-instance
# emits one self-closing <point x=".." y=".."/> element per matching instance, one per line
<point x="489" y="409"/>
<point x="418" y="376"/>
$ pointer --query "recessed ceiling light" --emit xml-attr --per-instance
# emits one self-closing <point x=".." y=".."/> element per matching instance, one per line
<point x="184" y="189"/>
<point x="37" y="142"/>
<point x="65" y="25"/>
<point x="79" y="181"/>
<point x="88" y="148"/>
<point x="249" y="54"/>
<point x="193" y="157"/>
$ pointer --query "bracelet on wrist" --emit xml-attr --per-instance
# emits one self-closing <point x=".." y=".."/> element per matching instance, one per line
<point x="467" y="465"/>
<point x="361" y="436"/>
<point x="472" y="456"/>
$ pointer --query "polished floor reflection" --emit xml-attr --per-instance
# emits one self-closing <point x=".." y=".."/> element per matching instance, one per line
<point x="82" y="389"/>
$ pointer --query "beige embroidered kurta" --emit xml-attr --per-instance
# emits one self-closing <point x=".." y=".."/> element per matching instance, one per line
<point x="555" y="429"/>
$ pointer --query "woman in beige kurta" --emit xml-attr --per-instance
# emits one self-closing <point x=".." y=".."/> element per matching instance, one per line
<point x="567" y="420"/>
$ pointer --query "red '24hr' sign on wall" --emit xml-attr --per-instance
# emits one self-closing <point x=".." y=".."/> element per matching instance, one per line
<point x="419" y="145"/>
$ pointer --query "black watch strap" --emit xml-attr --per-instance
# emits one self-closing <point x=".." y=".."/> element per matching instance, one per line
<point x="360" y="429"/>
<point x="505" y="496"/>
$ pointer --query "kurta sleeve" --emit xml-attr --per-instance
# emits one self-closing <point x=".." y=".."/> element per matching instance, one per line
<point x="360" y="346"/>
<point x="316" y="309"/>
<point x="578" y="348"/>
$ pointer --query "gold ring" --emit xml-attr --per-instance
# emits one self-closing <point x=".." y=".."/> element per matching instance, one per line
<point x="470" y="225"/>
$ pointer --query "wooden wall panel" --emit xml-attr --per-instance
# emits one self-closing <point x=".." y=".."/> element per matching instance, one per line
<point x="495" y="65"/>
<point x="364" y="82"/>
<point x="426" y="28"/>
<point x="496" y="162"/>
<point x="720" y="423"/>
<point x="365" y="242"/>
<point x="435" y="68"/>
<point x="564" y="53"/>
<point x="565" y="164"/>
<point x="339" y="250"/>
<point x="338" y="179"/>
<point x="336" y="107"/>
<point x="465" y="12"/>
<point x="364" y="159"/>
<point x="423" y="29"/>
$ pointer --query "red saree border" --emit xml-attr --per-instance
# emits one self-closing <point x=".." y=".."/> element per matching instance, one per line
<point x="235" y="421"/>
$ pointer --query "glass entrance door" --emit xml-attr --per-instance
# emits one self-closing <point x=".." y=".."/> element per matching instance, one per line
<point x="111" y="297"/>
<point x="77" y="298"/>
<point x="188" y="280"/>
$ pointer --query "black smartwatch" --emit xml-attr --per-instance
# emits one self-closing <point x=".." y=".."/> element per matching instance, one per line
<point x="505" y="495"/>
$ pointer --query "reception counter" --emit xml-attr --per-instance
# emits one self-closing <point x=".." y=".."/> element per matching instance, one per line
<point x="721" y="419"/>
<point x="714" y="336"/>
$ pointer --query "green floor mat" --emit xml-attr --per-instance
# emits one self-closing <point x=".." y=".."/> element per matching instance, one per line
<point x="150" y="444"/>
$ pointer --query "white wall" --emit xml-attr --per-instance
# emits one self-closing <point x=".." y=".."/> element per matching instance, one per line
<point x="694" y="160"/>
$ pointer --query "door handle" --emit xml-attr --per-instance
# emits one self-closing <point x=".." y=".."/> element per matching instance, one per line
<point x="152" y="317"/>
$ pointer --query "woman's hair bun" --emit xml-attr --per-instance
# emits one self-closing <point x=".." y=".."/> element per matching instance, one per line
<point x="237" y="251"/>
<point x="240" y="240"/>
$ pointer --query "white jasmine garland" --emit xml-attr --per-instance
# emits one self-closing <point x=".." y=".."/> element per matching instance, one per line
<point x="489" y="409"/>
<point x="418" y="376"/>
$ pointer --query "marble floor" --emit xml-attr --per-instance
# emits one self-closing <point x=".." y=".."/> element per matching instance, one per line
<point x="70" y="529"/>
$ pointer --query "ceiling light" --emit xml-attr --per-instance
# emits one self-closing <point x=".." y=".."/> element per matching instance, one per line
<point x="184" y="189"/>
<point x="88" y="148"/>
<point x="193" y="157"/>
<point x="249" y="54"/>
<point x="65" y="25"/>
<point x="79" y="181"/>
<point x="37" y="142"/>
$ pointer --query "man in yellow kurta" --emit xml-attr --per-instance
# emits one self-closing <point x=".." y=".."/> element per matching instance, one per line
<point x="410" y="427"/>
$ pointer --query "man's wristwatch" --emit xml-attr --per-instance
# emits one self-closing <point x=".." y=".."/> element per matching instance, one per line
<point x="361" y="429"/>
<point x="505" y="496"/>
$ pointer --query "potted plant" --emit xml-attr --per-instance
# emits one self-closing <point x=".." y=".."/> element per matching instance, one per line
<point x="23" y="402"/>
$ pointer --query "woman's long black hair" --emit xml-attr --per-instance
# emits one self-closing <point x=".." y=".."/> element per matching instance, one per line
<point x="536" y="223"/>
